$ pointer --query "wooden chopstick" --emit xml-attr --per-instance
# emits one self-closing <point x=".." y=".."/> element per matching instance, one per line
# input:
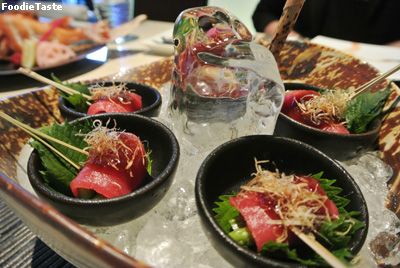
<point x="45" y="80"/>
<point x="376" y="80"/>
<point x="318" y="248"/>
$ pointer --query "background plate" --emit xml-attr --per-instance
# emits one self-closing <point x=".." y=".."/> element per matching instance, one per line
<point x="13" y="80"/>
<point x="7" y="68"/>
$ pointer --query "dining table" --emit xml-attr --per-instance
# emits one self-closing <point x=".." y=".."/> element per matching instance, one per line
<point x="19" y="247"/>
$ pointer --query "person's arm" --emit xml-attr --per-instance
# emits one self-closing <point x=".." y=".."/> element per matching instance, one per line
<point x="267" y="11"/>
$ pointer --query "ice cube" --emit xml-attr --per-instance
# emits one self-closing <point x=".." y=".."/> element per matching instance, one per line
<point x="174" y="243"/>
<point x="371" y="175"/>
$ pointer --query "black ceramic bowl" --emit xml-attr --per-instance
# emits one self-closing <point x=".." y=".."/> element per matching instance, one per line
<point x="151" y="101"/>
<point x="338" y="146"/>
<point x="165" y="155"/>
<point x="231" y="164"/>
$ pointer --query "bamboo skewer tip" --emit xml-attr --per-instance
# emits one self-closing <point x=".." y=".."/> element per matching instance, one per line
<point x="376" y="80"/>
<point x="38" y="133"/>
<point x="62" y="87"/>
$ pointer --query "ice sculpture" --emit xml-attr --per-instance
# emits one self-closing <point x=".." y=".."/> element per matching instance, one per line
<point x="224" y="85"/>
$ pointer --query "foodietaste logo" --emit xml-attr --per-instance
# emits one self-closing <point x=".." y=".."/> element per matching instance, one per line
<point x="24" y="6"/>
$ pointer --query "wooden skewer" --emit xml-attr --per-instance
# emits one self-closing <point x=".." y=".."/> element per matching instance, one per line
<point x="376" y="80"/>
<point x="38" y="133"/>
<point x="45" y="80"/>
<point x="318" y="248"/>
<point x="52" y="148"/>
<point x="32" y="134"/>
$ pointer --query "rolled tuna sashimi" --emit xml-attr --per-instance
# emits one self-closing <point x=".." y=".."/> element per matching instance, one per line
<point x="116" y="165"/>
<point x="257" y="211"/>
<point x="105" y="181"/>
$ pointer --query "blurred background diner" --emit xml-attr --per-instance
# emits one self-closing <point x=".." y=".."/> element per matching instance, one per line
<point x="371" y="21"/>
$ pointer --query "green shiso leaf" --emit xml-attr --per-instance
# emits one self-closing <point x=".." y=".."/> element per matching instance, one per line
<point x="225" y="213"/>
<point x="338" y="233"/>
<point x="283" y="250"/>
<point x="82" y="88"/>
<point x="342" y="254"/>
<point x="364" y="108"/>
<point x="78" y="102"/>
<point x="57" y="172"/>
<point x="333" y="192"/>
<point x="73" y="134"/>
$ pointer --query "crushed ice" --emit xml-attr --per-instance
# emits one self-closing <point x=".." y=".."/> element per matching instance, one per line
<point x="170" y="234"/>
<point x="372" y="175"/>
